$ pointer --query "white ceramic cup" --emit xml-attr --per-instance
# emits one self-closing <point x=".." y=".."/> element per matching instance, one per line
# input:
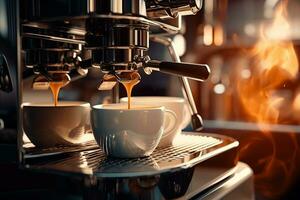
<point x="175" y="104"/>
<point x="47" y="125"/>
<point x="129" y="133"/>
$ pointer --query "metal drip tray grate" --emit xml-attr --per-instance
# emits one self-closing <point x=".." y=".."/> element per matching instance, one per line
<point x="188" y="150"/>
<point x="88" y="143"/>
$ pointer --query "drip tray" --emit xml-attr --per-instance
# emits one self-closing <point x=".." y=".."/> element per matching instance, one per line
<point x="88" y="143"/>
<point x="188" y="150"/>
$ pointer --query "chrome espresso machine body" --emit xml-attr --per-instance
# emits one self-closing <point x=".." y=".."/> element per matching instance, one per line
<point x="61" y="40"/>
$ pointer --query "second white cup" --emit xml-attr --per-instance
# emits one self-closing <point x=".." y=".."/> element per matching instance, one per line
<point x="175" y="104"/>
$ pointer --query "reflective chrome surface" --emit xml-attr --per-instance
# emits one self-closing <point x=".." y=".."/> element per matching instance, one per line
<point x="114" y="33"/>
<point x="188" y="150"/>
<point x="193" y="167"/>
<point x="166" y="9"/>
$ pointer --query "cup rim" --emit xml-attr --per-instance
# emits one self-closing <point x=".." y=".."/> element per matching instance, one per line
<point x="149" y="99"/>
<point x="61" y="104"/>
<point x="110" y="107"/>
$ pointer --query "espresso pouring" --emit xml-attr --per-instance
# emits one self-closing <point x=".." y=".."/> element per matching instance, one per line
<point x="55" y="88"/>
<point x="59" y="80"/>
<point x="129" y="80"/>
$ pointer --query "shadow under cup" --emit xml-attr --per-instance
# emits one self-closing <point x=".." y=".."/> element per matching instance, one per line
<point x="47" y="125"/>
<point x="127" y="133"/>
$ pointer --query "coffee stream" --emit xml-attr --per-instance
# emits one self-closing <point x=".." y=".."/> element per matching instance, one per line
<point x="55" y="88"/>
<point x="59" y="80"/>
<point x="129" y="80"/>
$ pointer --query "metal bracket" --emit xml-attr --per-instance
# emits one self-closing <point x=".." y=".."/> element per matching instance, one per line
<point x="197" y="122"/>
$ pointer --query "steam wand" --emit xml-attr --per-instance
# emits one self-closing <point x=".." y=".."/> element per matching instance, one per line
<point x="204" y="72"/>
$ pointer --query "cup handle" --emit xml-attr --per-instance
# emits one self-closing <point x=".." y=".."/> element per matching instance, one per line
<point x="88" y="123"/>
<point x="87" y="128"/>
<point x="171" y="116"/>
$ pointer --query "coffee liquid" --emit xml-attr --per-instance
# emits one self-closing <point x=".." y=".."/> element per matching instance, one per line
<point x="55" y="88"/>
<point x="129" y="82"/>
<point x="122" y="107"/>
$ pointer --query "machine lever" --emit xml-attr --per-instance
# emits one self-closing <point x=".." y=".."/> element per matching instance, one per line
<point x="199" y="72"/>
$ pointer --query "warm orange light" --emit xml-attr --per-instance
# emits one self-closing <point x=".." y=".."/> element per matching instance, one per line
<point x="208" y="35"/>
<point x="296" y="103"/>
<point x="280" y="28"/>
<point x="274" y="62"/>
<point x="218" y="35"/>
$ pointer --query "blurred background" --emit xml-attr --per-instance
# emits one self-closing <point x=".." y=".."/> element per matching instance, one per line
<point x="252" y="48"/>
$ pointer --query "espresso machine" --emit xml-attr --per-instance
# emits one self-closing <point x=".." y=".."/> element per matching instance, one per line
<point x="60" y="40"/>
